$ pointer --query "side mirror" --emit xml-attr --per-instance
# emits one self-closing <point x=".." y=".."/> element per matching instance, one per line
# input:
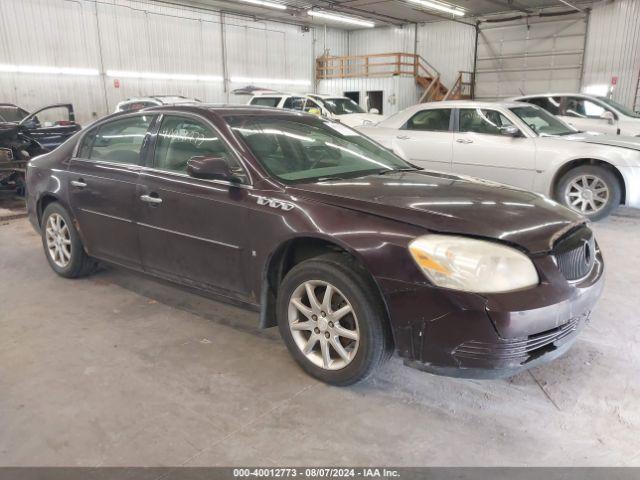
<point x="510" y="131"/>
<point x="608" y="116"/>
<point x="211" y="168"/>
<point x="374" y="111"/>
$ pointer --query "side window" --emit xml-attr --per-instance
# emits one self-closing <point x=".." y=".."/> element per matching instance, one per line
<point x="435" y="120"/>
<point x="266" y="101"/>
<point x="480" y="120"/>
<point x="582" y="108"/>
<point x="294" y="103"/>
<point x="87" y="142"/>
<point x="181" y="138"/>
<point x="121" y="140"/>
<point x="550" y="104"/>
<point x="312" y="107"/>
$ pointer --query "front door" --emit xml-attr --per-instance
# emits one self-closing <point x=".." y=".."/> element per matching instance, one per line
<point x="426" y="140"/>
<point x="51" y="126"/>
<point x="482" y="149"/>
<point x="191" y="230"/>
<point x="102" y="188"/>
<point x="588" y="116"/>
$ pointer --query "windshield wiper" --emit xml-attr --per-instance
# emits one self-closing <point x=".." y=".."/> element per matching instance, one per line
<point x="394" y="170"/>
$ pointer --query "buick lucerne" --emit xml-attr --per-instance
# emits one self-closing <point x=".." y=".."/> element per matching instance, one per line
<point x="350" y="251"/>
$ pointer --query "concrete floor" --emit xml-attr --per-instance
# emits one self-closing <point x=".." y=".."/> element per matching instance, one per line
<point x="118" y="369"/>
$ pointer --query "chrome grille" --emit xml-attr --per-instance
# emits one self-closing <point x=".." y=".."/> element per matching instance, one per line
<point x="575" y="254"/>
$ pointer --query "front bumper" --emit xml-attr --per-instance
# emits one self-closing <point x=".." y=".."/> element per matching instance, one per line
<point x="472" y="336"/>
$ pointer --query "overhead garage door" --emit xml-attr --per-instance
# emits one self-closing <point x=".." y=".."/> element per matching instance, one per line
<point x="534" y="55"/>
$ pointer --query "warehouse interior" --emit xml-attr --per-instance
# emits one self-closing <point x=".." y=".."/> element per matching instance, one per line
<point x="121" y="369"/>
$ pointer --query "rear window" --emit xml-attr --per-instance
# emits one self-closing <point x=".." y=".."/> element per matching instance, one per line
<point x="266" y="101"/>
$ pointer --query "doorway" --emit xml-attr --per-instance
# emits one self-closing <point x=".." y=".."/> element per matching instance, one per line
<point x="355" y="96"/>
<point x="374" y="100"/>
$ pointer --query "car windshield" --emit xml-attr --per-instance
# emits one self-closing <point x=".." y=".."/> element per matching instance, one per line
<point x="542" y="122"/>
<point x="621" y="108"/>
<point x="308" y="149"/>
<point x="11" y="114"/>
<point x="342" y="106"/>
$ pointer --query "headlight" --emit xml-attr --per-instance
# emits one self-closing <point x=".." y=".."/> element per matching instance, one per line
<point x="472" y="265"/>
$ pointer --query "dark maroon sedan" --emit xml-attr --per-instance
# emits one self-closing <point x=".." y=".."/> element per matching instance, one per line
<point x="351" y="251"/>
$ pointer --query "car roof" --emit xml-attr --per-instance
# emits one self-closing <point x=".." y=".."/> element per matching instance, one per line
<point x="570" y="94"/>
<point x="224" y="109"/>
<point x="464" y="104"/>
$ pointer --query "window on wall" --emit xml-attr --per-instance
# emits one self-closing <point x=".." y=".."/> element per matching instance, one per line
<point x="119" y="140"/>
<point x="432" y="120"/>
<point x="480" y="120"/>
<point x="181" y="138"/>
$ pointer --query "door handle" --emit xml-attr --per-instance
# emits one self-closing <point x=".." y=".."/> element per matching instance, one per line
<point x="403" y="137"/>
<point x="78" y="183"/>
<point x="150" y="199"/>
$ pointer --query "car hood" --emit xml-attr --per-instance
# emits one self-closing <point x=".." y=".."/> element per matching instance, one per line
<point x="609" y="140"/>
<point x="359" y="119"/>
<point x="451" y="204"/>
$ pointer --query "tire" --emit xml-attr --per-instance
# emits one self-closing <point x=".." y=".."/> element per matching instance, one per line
<point x="352" y="291"/>
<point x="600" y="181"/>
<point x="58" y="230"/>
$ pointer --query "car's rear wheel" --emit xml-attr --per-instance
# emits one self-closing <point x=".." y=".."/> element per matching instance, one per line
<point x="332" y="320"/>
<point x="62" y="245"/>
<point x="591" y="190"/>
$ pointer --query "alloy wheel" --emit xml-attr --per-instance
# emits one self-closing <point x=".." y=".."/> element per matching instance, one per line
<point x="323" y="324"/>
<point x="587" y="194"/>
<point x="58" y="240"/>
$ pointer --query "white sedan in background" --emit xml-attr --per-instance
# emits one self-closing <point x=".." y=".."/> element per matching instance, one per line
<point x="342" y="109"/>
<point x="588" y="112"/>
<point x="521" y="145"/>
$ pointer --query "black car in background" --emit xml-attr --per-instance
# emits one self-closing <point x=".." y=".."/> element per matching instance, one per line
<point x="24" y="135"/>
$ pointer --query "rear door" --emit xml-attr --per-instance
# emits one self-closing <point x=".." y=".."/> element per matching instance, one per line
<point x="51" y="126"/>
<point x="427" y="139"/>
<point x="102" y="190"/>
<point x="193" y="230"/>
<point x="481" y="149"/>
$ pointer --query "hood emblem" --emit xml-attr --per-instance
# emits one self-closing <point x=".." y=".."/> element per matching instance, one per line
<point x="274" y="203"/>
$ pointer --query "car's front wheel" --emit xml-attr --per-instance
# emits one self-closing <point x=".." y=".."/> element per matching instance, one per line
<point x="62" y="244"/>
<point x="590" y="190"/>
<point x="332" y="320"/>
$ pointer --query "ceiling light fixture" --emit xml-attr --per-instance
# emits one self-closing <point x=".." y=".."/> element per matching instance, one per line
<point x="341" y="18"/>
<point x="163" y="76"/>
<point x="48" y="70"/>
<point x="441" y="7"/>
<point x="264" y="3"/>
<point x="270" y="81"/>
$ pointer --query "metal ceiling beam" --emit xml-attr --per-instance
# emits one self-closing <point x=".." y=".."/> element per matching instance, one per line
<point x="510" y="5"/>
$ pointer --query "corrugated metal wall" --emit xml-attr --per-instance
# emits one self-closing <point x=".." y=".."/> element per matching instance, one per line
<point x="613" y="48"/>
<point x="398" y="92"/>
<point x="141" y="36"/>
<point x="448" y="46"/>
<point x="533" y="55"/>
